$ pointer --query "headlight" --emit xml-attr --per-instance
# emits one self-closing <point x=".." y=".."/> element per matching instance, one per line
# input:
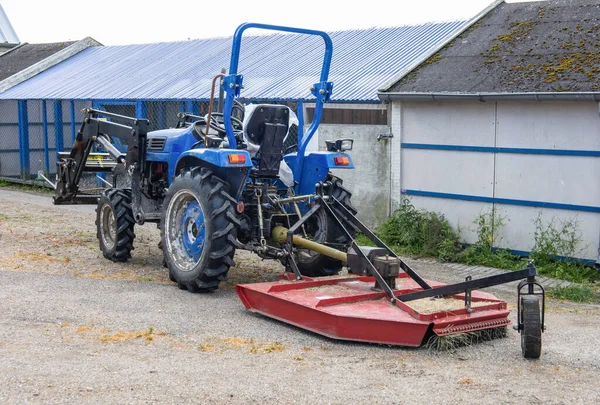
<point x="340" y="145"/>
<point x="346" y="144"/>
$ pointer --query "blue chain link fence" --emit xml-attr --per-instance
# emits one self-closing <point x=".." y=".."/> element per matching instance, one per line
<point x="32" y="132"/>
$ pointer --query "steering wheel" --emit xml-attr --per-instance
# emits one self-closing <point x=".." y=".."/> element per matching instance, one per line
<point x="218" y="119"/>
<point x="198" y="127"/>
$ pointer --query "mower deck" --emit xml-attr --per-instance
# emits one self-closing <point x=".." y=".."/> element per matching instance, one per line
<point x="348" y="308"/>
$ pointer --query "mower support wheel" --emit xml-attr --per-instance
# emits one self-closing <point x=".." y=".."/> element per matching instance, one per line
<point x="531" y="334"/>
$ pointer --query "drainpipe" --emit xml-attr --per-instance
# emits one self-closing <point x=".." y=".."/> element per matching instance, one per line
<point x="494" y="96"/>
<point x="598" y="259"/>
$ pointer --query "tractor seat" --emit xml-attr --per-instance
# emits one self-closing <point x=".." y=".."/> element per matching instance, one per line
<point x="264" y="132"/>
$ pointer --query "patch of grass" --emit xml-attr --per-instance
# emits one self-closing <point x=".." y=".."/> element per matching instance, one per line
<point x="416" y="232"/>
<point x="25" y="187"/>
<point x="575" y="293"/>
<point x="420" y="233"/>
<point x="498" y="258"/>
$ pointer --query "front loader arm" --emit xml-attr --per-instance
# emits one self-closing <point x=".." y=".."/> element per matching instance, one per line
<point x="95" y="130"/>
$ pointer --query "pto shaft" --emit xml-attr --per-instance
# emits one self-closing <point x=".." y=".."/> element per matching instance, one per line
<point x="279" y="235"/>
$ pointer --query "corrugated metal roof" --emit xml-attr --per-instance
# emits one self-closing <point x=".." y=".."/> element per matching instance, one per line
<point x="275" y="67"/>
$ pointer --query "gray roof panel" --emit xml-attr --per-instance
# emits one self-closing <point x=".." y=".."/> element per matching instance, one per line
<point x="550" y="46"/>
<point x="25" y="55"/>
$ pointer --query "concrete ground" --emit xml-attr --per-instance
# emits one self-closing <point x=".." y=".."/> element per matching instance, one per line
<point x="75" y="328"/>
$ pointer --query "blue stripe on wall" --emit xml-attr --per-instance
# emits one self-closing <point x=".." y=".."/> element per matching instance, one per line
<point x="507" y="201"/>
<point x="489" y="149"/>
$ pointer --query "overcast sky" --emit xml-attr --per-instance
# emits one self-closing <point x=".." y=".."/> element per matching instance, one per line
<point x="116" y="22"/>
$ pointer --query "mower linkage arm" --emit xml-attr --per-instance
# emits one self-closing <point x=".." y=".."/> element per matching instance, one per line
<point x="325" y="200"/>
<point x="468" y="285"/>
<point x="336" y="210"/>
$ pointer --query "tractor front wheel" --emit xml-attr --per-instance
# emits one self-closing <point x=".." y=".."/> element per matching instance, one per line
<point x="114" y="224"/>
<point x="197" y="229"/>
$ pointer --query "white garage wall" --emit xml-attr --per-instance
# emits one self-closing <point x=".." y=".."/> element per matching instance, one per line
<point x="460" y="158"/>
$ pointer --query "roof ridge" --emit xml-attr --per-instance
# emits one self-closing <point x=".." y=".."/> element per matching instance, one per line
<point x="275" y="34"/>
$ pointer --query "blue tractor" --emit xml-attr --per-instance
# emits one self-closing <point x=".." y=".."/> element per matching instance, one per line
<point x="216" y="183"/>
<point x="224" y="181"/>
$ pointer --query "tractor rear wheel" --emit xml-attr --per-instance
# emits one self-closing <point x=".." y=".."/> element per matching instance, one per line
<point x="198" y="226"/>
<point x="531" y="335"/>
<point x="114" y="224"/>
<point x="323" y="229"/>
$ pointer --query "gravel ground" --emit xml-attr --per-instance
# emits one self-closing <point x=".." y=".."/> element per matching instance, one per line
<point x="75" y="328"/>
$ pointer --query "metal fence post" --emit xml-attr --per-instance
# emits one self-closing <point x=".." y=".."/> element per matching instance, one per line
<point x="45" y="132"/>
<point x="23" y="139"/>
<point x="58" y="126"/>
<point x="140" y="109"/>
<point x="162" y="114"/>
<point x="72" y="122"/>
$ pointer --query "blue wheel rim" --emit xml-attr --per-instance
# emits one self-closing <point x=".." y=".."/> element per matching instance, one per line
<point x="185" y="231"/>
<point x="193" y="230"/>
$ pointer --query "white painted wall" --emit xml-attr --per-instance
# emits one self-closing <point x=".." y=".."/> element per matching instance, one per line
<point x="507" y="124"/>
<point x="369" y="181"/>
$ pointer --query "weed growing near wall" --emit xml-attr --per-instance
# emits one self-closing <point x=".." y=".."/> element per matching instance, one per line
<point x="559" y="239"/>
<point x="420" y="233"/>
<point x="417" y="232"/>
<point x="483" y="253"/>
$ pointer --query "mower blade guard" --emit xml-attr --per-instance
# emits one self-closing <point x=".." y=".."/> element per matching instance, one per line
<point x="348" y="308"/>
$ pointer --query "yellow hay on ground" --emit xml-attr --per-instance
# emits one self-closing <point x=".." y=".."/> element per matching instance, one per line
<point x="329" y="288"/>
<point x="121" y="336"/>
<point x="431" y="305"/>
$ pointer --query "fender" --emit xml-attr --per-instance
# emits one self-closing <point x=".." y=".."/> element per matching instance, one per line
<point x="235" y="173"/>
<point x="316" y="168"/>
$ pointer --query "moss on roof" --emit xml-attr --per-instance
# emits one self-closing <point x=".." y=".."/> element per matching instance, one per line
<point x="23" y="56"/>
<point x="519" y="47"/>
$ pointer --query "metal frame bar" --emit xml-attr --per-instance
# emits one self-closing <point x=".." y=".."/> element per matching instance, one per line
<point x="531" y="284"/>
<point x="324" y="202"/>
<point x="45" y="134"/>
<point x="59" y="141"/>
<point x="23" y="139"/>
<point x="363" y="228"/>
<point x="72" y="111"/>
<point x="290" y="236"/>
<point x="475" y="284"/>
